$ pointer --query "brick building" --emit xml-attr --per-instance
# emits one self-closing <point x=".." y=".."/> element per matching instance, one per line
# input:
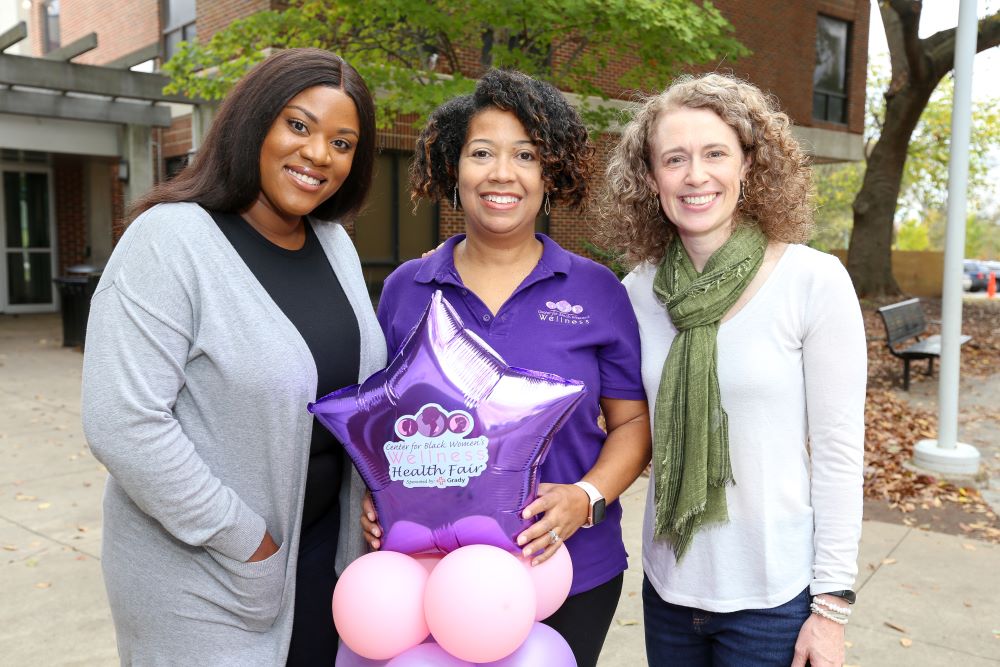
<point x="66" y="174"/>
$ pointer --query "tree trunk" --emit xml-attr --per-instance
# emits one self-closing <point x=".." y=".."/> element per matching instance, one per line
<point x="869" y="258"/>
<point x="917" y="67"/>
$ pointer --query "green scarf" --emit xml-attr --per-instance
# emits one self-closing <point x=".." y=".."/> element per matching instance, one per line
<point x="691" y="430"/>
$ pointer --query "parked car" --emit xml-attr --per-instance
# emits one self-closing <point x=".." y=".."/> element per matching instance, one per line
<point x="978" y="274"/>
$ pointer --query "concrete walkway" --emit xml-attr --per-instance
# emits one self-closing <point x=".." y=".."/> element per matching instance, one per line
<point x="923" y="598"/>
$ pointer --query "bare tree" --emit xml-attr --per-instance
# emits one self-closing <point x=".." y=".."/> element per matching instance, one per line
<point x="917" y="67"/>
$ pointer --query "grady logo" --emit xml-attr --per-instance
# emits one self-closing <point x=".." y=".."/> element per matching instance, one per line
<point x="563" y="312"/>
<point x="433" y="449"/>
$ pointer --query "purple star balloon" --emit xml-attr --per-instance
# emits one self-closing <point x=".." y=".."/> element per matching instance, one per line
<point x="449" y="437"/>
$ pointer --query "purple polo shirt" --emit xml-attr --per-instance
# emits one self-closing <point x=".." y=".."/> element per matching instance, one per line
<point x="570" y="317"/>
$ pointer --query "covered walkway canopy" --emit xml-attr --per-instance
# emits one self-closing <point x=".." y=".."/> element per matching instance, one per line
<point x="53" y="105"/>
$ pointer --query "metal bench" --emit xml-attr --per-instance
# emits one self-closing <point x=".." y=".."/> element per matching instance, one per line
<point x="903" y="321"/>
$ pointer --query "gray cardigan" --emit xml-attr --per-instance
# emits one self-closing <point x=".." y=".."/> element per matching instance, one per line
<point x="195" y="388"/>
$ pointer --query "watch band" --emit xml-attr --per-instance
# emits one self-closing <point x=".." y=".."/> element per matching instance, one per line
<point x="595" y="497"/>
<point x="847" y="596"/>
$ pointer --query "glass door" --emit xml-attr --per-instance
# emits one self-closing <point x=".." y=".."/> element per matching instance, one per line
<point x="26" y="243"/>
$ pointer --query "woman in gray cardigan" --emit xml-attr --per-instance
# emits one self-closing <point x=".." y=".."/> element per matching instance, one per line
<point x="231" y="301"/>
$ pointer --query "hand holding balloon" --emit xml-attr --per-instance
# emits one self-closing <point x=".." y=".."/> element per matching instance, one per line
<point x="369" y="522"/>
<point x="564" y="509"/>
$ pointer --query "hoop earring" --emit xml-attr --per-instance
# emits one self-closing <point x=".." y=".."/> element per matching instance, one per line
<point x="548" y="207"/>
<point x="454" y="198"/>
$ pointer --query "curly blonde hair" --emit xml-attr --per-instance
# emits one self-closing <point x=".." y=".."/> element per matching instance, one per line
<point x="777" y="192"/>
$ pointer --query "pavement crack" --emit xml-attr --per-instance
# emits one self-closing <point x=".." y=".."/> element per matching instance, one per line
<point x="881" y="562"/>
<point x="49" y="538"/>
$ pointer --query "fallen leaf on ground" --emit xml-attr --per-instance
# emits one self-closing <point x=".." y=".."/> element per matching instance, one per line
<point x="905" y="642"/>
<point x="23" y="496"/>
<point x="627" y="621"/>
<point x="43" y="584"/>
<point x="44" y="506"/>
<point x="895" y="627"/>
<point x="9" y="547"/>
<point x="888" y="561"/>
<point x="968" y="547"/>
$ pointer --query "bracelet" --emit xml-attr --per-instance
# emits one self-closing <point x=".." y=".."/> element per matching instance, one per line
<point x="846" y="611"/>
<point x="829" y="615"/>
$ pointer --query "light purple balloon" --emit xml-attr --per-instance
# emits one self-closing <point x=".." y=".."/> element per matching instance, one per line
<point x="427" y="655"/>
<point x="544" y="646"/>
<point x="434" y="489"/>
<point x="348" y="658"/>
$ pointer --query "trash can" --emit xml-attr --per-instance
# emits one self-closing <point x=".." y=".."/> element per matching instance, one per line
<point x="75" y="290"/>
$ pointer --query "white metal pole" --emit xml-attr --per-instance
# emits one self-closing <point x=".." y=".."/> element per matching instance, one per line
<point x="947" y="454"/>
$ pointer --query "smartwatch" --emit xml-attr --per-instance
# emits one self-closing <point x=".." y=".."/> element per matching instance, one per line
<point x="597" y="504"/>
<point x="847" y="596"/>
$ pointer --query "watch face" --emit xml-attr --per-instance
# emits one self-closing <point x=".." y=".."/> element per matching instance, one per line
<point x="847" y="596"/>
<point x="598" y="509"/>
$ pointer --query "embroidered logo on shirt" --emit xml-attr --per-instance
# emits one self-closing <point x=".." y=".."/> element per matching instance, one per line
<point x="433" y="449"/>
<point x="563" y="312"/>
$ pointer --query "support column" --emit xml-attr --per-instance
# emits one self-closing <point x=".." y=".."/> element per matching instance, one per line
<point x="137" y="153"/>
<point x="202" y="116"/>
<point x="99" y="217"/>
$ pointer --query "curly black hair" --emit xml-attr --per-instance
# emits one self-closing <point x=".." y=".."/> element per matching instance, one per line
<point x="551" y="122"/>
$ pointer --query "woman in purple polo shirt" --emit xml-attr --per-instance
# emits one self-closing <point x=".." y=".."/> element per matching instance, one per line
<point x="500" y="155"/>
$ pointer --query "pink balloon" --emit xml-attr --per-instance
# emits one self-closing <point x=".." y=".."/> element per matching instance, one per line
<point x="429" y="561"/>
<point x="552" y="580"/>
<point x="348" y="658"/>
<point x="544" y="646"/>
<point x="427" y="655"/>
<point x="479" y="604"/>
<point x="378" y="605"/>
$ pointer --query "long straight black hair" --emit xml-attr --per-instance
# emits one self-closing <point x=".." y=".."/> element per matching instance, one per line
<point x="225" y="174"/>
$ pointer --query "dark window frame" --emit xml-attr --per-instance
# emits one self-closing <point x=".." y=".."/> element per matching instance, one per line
<point x="51" y="33"/>
<point x="823" y="98"/>
<point x="183" y="27"/>
<point x="399" y="178"/>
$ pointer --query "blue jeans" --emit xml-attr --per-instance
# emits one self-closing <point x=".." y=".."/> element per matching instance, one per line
<point x="689" y="637"/>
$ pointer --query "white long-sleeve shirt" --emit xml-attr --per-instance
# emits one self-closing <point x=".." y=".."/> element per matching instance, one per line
<point x="792" y="367"/>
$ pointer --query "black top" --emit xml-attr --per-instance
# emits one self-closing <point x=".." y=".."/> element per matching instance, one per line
<point x="302" y="283"/>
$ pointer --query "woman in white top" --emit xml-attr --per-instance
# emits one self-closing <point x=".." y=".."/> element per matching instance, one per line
<point x="754" y="362"/>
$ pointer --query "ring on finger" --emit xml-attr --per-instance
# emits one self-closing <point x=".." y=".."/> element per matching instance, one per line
<point x="553" y="537"/>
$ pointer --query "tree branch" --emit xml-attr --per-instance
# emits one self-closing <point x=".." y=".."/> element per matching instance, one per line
<point x="941" y="45"/>
<point x="901" y="19"/>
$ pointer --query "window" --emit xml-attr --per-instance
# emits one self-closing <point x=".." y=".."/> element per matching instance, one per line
<point x="50" y="30"/>
<point x="830" y="75"/>
<point x="174" y="165"/>
<point x="178" y="25"/>
<point x="388" y="232"/>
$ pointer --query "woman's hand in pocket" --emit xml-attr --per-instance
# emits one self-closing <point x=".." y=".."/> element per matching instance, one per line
<point x="268" y="547"/>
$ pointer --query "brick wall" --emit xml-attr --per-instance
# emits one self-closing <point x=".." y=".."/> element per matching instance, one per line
<point x="784" y="66"/>
<point x="215" y="15"/>
<point x="176" y="139"/>
<point x="36" y="31"/>
<point x="71" y="225"/>
<point x="117" y="205"/>
<point x="121" y="27"/>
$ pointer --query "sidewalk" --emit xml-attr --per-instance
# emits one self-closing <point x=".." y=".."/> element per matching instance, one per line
<point x="923" y="598"/>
